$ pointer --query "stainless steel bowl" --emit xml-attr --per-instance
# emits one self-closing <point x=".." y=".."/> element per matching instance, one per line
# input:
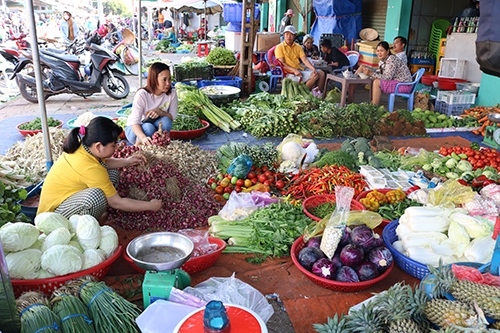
<point x="160" y="251"/>
<point x="494" y="117"/>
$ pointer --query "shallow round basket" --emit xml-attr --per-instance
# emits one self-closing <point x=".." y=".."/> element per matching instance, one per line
<point x="47" y="286"/>
<point x="410" y="266"/>
<point x="27" y="209"/>
<point x="382" y="190"/>
<point x="320" y="199"/>
<point x="71" y="122"/>
<point x="194" y="264"/>
<point x="33" y="132"/>
<point x="331" y="284"/>
<point x="368" y="34"/>
<point x="121" y="112"/>
<point x="186" y="135"/>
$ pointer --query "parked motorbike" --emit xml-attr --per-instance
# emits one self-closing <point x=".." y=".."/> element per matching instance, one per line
<point x="64" y="75"/>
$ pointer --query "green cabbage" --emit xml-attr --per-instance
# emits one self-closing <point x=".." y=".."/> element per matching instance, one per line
<point x="88" y="232"/>
<point x="73" y="221"/>
<point x="92" y="257"/>
<point x="44" y="274"/>
<point x="109" y="240"/>
<point x="18" y="236"/>
<point x="74" y="242"/>
<point x="59" y="236"/>
<point x="24" y="264"/>
<point x="49" y="221"/>
<point x="62" y="260"/>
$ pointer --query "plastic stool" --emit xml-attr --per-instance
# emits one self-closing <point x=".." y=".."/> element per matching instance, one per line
<point x="203" y="49"/>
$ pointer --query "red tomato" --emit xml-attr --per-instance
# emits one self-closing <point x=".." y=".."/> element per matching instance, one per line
<point x="269" y="174"/>
<point x="238" y="189"/>
<point x="228" y="189"/>
<point x="211" y="180"/>
<point x="472" y="160"/>
<point x="279" y="184"/>
<point x="262" y="178"/>
<point x="254" y="181"/>
<point x="480" y="164"/>
<point x="268" y="182"/>
<point x="218" y="197"/>
<point x="251" y="175"/>
<point x="265" y="168"/>
<point x="240" y="182"/>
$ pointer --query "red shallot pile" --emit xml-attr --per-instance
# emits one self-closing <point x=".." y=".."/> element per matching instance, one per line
<point x="185" y="203"/>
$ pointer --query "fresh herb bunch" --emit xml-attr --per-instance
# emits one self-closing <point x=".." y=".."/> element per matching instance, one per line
<point x="9" y="207"/>
<point x="323" y="210"/>
<point x="163" y="45"/>
<point x="186" y="123"/>
<point x="337" y="158"/>
<point x="36" y="124"/>
<point x="220" y="56"/>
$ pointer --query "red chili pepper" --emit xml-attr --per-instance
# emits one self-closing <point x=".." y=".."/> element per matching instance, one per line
<point x="463" y="182"/>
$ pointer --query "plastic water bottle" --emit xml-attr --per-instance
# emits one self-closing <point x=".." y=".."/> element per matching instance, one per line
<point x="215" y="318"/>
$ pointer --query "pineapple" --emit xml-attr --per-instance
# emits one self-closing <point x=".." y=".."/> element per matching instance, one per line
<point x="332" y="325"/>
<point x="446" y="330"/>
<point x="487" y="297"/>
<point x="397" y="309"/>
<point x="365" y="320"/>
<point x="444" y="313"/>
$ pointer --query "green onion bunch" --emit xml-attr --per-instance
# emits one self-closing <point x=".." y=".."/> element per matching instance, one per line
<point x="74" y="315"/>
<point x="111" y="312"/>
<point x="36" y="316"/>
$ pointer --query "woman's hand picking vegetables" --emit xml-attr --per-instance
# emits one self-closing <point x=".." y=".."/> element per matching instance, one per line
<point x="137" y="159"/>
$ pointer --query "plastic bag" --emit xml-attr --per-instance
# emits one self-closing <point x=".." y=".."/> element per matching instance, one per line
<point x="240" y="166"/>
<point x="492" y="192"/>
<point x="241" y="205"/>
<point x="450" y="194"/>
<point x="336" y="224"/>
<point x="333" y="96"/>
<point x="200" y="240"/>
<point x="316" y="92"/>
<point x="234" y="291"/>
<point x="475" y="275"/>
<point x="480" y="206"/>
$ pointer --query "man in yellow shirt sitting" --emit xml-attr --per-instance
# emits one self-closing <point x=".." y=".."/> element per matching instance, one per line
<point x="291" y="54"/>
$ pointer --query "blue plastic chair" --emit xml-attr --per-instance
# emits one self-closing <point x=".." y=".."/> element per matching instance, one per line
<point x="417" y="76"/>
<point x="274" y="77"/>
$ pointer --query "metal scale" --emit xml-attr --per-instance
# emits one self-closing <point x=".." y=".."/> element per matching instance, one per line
<point x="492" y="133"/>
<point x="161" y="254"/>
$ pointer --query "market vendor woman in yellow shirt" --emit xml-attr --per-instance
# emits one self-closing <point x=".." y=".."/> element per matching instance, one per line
<point x="83" y="180"/>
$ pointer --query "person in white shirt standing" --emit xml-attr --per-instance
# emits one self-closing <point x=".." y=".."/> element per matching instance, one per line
<point x="398" y="47"/>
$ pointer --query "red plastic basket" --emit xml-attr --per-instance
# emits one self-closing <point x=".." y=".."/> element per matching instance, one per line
<point x="186" y="135"/>
<point x="194" y="264"/>
<point x="33" y="132"/>
<point x="320" y="199"/>
<point x="382" y="190"/>
<point x="331" y="284"/>
<point x="47" y="286"/>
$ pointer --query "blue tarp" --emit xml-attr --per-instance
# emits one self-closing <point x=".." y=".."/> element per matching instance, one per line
<point x="337" y="17"/>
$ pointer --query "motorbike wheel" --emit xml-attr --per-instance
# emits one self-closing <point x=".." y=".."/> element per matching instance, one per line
<point x="29" y="93"/>
<point x="116" y="87"/>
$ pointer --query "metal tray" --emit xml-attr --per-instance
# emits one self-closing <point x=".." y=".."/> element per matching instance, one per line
<point x="494" y="117"/>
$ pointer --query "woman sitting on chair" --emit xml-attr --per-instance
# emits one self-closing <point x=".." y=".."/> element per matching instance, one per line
<point x="391" y="72"/>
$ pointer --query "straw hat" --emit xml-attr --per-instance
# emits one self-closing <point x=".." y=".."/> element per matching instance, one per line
<point x="368" y="34"/>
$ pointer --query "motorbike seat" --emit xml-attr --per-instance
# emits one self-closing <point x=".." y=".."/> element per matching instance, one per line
<point x="53" y="50"/>
<point x="61" y="56"/>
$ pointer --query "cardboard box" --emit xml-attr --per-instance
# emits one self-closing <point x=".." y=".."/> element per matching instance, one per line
<point x="266" y="40"/>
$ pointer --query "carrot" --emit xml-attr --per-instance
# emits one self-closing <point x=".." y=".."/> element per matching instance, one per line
<point x="476" y="132"/>
<point x="482" y="120"/>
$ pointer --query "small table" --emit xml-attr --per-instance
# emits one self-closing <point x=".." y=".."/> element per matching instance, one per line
<point x="345" y="84"/>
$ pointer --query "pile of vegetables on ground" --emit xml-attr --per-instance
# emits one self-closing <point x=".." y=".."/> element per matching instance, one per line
<point x="56" y="246"/>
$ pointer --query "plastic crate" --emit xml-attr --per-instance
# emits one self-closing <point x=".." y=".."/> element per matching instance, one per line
<point x="451" y="109"/>
<point x="233" y="81"/>
<point x="232" y="12"/>
<point x="452" y="68"/>
<point x="222" y="70"/>
<point x="337" y="39"/>
<point x="456" y="97"/>
<point x="202" y="72"/>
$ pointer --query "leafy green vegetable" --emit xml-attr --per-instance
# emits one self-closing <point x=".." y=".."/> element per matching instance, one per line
<point x="9" y="198"/>
<point x="163" y="45"/>
<point x="269" y="231"/>
<point x="186" y="123"/>
<point x="337" y="158"/>
<point x="220" y="56"/>
<point x="36" y="124"/>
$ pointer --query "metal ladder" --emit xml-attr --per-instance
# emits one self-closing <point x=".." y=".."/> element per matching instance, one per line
<point x="247" y="43"/>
